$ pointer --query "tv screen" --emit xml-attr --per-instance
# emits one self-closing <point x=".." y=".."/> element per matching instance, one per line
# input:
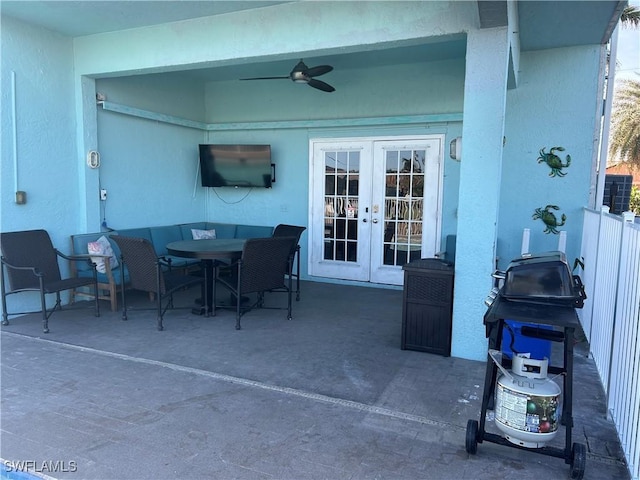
<point x="235" y="165"/>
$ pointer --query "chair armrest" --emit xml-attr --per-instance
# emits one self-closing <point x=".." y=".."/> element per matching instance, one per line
<point x="84" y="256"/>
<point x="34" y="270"/>
<point x="77" y="258"/>
<point x="164" y="261"/>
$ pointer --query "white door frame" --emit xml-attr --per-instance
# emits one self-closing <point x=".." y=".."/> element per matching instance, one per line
<point x="390" y="274"/>
<point x="432" y="202"/>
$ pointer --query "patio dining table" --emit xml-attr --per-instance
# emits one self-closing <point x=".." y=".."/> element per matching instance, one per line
<point x="209" y="251"/>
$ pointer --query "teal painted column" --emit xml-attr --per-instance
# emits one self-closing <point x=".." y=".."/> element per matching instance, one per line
<point x="87" y="139"/>
<point x="480" y="172"/>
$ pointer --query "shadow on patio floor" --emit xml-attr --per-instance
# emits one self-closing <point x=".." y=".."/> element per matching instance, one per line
<point x="327" y="395"/>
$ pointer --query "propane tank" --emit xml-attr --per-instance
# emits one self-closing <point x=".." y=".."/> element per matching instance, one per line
<point x="527" y="408"/>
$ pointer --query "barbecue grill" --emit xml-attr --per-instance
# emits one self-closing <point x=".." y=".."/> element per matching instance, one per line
<point x="535" y="289"/>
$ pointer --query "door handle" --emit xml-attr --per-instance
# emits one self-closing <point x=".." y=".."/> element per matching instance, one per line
<point x="364" y="220"/>
<point x="375" y="220"/>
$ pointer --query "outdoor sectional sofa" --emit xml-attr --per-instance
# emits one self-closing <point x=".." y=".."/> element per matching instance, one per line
<point x="110" y="281"/>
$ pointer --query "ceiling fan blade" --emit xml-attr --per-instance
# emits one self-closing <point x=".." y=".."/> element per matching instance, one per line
<point x="319" y="70"/>
<point x="265" y="78"/>
<point x="302" y="74"/>
<point x="320" y="85"/>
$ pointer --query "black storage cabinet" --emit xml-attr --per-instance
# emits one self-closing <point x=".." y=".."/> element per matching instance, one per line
<point x="427" y="305"/>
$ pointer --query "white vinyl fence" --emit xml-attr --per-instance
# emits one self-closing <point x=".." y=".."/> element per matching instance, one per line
<point x="611" y="316"/>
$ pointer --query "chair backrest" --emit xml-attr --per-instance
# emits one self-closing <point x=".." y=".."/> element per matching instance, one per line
<point x="265" y="261"/>
<point x="284" y="230"/>
<point x="29" y="248"/>
<point x="141" y="260"/>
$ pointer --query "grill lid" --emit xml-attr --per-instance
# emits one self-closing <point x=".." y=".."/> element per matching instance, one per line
<point x="543" y="278"/>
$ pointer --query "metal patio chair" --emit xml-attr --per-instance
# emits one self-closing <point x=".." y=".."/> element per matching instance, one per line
<point x="284" y="230"/>
<point x="30" y="263"/>
<point x="262" y="268"/>
<point x="152" y="274"/>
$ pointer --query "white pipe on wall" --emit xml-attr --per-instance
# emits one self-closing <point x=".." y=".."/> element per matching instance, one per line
<point x="525" y="241"/>
<point x="15" y="130"/>
<point x="562" y="242"/>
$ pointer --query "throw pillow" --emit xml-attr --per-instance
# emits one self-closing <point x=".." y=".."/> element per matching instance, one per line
<point x="102" y="247"/>
<point x="203" y="234"/>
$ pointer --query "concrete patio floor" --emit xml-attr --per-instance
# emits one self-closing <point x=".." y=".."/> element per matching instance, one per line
<point x="327" y="395"/>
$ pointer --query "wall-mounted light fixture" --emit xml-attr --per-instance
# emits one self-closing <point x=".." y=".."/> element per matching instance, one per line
<point x="93" y="159"/>
<point x="455" y="149"/>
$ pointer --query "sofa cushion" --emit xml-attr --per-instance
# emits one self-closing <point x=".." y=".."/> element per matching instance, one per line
<point x="253" y="231"/>
<point x="160" y="236"/>
<point x="181" y="262"/>
<point x="136" y="233"/>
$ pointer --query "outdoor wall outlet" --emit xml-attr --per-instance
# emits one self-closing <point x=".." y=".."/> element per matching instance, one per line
<point x="103" y="194"/>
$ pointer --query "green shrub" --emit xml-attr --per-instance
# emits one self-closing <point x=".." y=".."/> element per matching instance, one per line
<point x="634" y="203"/>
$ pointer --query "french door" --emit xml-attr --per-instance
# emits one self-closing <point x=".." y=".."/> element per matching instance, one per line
<point x="374" y="206"/>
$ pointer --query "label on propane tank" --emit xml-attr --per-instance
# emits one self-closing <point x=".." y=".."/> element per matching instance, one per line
<point x="528" y="413"/>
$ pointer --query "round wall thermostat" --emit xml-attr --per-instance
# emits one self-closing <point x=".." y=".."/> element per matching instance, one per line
<point x="93" y="159"/>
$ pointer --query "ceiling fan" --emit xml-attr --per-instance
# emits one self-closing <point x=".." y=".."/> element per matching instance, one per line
<point x="303" y="74"/>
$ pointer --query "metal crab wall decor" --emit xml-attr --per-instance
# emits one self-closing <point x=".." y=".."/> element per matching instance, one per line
<point x="549" y="219"/>
<point x="553" y="161"/>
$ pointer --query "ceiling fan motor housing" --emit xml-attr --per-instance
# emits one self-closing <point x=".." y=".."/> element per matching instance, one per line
<point x="299" y="77"/>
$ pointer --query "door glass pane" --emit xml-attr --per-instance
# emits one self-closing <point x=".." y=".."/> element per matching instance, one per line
<point x="403" y="205"/>
<point x="342" y="177"/>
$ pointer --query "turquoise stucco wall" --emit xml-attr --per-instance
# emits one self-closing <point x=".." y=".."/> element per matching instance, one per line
<point x="480" y="179"/>
<point x="554" y="105"/>
<point x="149" y="168"/>
<point x="559" y="109"/>
<point x="44" y="125"/>
<point x="412" y="89"/>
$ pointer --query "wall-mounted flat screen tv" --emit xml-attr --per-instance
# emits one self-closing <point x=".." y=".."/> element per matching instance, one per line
<point x="235" y="165"/>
